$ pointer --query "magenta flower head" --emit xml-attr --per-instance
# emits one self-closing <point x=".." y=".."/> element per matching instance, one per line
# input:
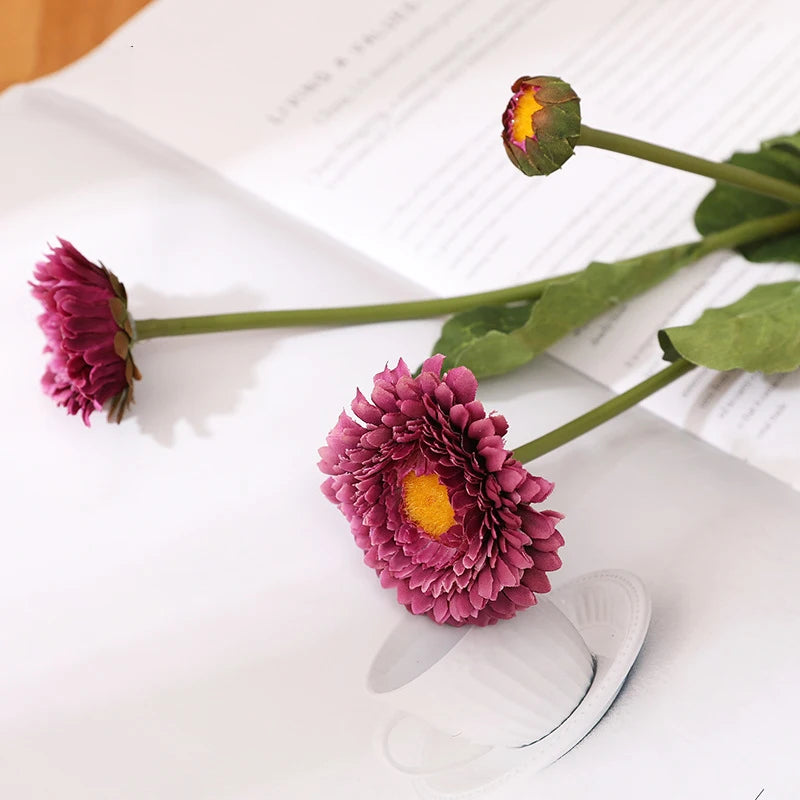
<point x="89" y="334"/>
<point x="541" y="124"/>
<point x="440" y="508"/>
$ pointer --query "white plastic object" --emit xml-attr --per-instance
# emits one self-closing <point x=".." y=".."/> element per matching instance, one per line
<point x="508" y="684"/>
<point x="610" y="610"/>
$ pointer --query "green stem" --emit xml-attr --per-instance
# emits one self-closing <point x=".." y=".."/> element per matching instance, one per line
<point x="751" y="231"/>
<point x="603" y="413"/>
<point x="345" y="315"/>
<point x="746" y="232"/>
<point x="724" y="173"/>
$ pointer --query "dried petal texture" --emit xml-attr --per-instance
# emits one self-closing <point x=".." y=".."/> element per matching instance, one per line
<point x="88" y="332"/>
<point x="495" y="558"/>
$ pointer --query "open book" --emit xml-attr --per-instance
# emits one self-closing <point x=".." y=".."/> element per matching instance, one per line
<point x="379" y="125"/>
<point x="184" y="615"/>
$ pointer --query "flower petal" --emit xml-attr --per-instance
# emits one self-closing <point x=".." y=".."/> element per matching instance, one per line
<point x="493" y="560"/>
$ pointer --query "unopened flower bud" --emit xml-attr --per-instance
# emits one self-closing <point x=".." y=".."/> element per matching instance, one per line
<point x="541" y="124"/>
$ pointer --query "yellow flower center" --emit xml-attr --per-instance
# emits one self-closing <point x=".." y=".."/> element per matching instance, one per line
<point x="526" y="107"/>
<point x="427" y="505"/>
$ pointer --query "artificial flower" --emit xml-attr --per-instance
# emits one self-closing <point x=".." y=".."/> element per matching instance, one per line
<point x="541" y="124"/>
<point x="88" y="332"/>
<point x="442" y="511"/>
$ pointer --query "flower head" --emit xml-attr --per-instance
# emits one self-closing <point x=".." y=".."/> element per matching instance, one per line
<point x="541" y="124"/>
<point x="88" y="332"/>
<point x="440" y="508"/>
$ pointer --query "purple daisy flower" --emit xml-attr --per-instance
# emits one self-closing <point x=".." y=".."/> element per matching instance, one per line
<point x="440" y="508"/>
<point x="88" y="332"/>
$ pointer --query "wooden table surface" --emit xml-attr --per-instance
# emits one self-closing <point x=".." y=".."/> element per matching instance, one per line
<point x="41" y="36"/>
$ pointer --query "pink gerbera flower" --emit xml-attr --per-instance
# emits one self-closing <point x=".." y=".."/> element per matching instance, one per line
<point x="88" y="332"/>
<point x="440" y="508"/>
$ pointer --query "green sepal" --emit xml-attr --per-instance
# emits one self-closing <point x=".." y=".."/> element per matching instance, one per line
<point x="552" y="90"/>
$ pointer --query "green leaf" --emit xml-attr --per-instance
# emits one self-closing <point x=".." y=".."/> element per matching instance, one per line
<point x="759" y="333"/>
<point x="465" y="335"/>
<point x="789" y="143"/>
<point x="494" y="340"/>
<point x="726" y="206"/>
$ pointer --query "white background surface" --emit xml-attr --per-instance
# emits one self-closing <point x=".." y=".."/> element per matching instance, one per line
<point x="185" y="616"/>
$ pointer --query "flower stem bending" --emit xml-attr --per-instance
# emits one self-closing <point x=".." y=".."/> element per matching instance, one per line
<point x="722" y="172"/>
<point x="603" y="413"/>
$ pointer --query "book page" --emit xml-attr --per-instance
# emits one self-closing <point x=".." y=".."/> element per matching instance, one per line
<point x="379" y="124"/>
